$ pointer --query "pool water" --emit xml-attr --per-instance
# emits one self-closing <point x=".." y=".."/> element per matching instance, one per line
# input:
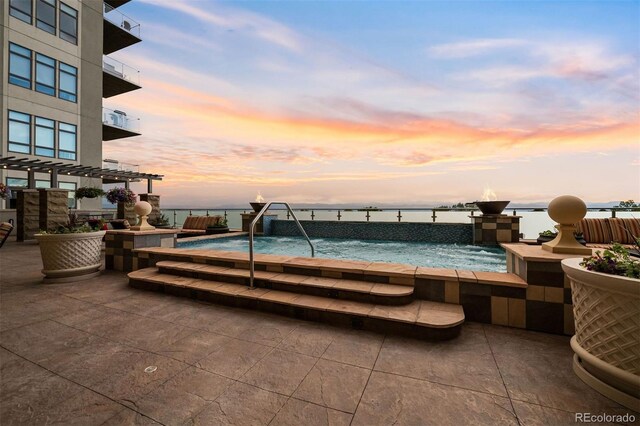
<point x="451" y="256"/>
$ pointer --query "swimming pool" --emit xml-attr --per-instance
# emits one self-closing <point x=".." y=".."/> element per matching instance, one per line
<point x="450" y="256"/>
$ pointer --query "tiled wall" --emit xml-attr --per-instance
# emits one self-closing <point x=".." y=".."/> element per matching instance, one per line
<point x="460" y="233"/>
<point x="495" y="229"/>
<point x="119" y="246"/>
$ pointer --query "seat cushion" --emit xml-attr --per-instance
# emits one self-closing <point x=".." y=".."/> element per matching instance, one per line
<point x="595" y="230"/>
<point x="623" y="230"/>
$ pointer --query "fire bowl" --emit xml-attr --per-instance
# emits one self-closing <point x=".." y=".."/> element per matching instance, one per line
<point x="257" y="206"/>
<point x="492" y="207"/>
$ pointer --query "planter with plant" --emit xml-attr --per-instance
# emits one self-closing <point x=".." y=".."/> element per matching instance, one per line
<point x="219" y="227"/>
<point x="89" y="192"/>
<point x="161" y="222"/>
<point x="546" y="236"/>
<point x="121" y="195"/>
<point x="5" y="192"/>
<point x="606" y="305"/>
<point x="71" y="252"/>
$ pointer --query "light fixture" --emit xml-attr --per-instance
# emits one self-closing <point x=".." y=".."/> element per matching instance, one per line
<point x="86" y="174"/>
<point x="28" y="169"/>
<point x="116" y="177"/>
<point x="101" y="176"/>
<point x="68" y="173"/>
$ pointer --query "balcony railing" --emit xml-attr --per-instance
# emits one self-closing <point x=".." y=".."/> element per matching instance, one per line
<point x="121" y="120"/>
<point x="121" y="20"/>
<point x="121" y="70"/>
<point x="119" y="166"/>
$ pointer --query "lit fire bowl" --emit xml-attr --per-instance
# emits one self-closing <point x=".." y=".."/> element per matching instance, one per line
<point x="257" y="206"/>
<point x="492" y="207"/>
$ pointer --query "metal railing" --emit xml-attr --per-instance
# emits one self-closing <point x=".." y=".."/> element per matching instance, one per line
<point x="118" y="18"/>
<point x="120" y="70"/>
<point x="252" y="229"/>
<point x="116" y="118"/>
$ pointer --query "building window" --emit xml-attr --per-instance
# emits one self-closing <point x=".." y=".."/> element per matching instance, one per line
<point x="43" y="184"/>
<point x="19" y="66"/>
<point x="21" y="9"/>
<point x="46" y="15"/>
<point x="66" y="141"/>
<point x="68" y="76"/>
<point x="45" y="74"/>
<point x="45" y="137"/>
<point x="71" y="187"/>
<point x="68" y="23"/>
<point x="19" y="132"/>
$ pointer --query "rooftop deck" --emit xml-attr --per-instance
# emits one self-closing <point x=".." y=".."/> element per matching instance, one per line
<point x="101" y="352"/>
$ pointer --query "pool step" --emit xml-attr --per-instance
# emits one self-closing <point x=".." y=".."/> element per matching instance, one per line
<point x="418" y="318"/>
<point x="376" y="272"/>
<point x="336" y="288"/>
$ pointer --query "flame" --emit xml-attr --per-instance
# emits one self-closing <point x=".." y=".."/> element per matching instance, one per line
<point x="489" y="195"/>
<point x="259" y="198"/>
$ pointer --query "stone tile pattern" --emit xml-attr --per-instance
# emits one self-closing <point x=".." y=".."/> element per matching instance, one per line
<point x="495" y="229"/>
<point x="154" y="200"/>
<point x="450" y="233"/>
<point x="549" y="306"/>
<point x="54" y="208"/>
<point x="76" y="353"/>
<point x="263" y="226"/>
<point x="119" y="248"/>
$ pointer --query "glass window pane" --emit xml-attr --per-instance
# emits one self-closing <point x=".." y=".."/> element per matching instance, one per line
<point x="19" y="49"/>
<point x="20" y="66"/>
<point x="45" y="74"/>
<point x="46" y="15"/>
<point x="17" y="182"/>
<point x="68" y="23"/>
<point x="19" y="116"/>
<point x="67" y="141"/>
<point x="67" y="127"/>
<point x="19" y="132"/>
<point x="68" y="82"/>
<point x="66" y="155"/>
<point x="23" y="149"/>
<point x="68" y="68"/>
<point x="43" y="183"/>
<point x="21" y="9"/>
<point x="44" y="137"/>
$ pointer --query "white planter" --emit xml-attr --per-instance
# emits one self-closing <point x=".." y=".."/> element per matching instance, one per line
<point x="606" y="310"/>
<point x="70" y="257"/>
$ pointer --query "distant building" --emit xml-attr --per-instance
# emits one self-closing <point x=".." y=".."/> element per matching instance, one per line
<point x="54" y="74"/>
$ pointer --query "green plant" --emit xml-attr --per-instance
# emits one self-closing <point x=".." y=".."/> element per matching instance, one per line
<point x="162" y="220"/>
<point x="121" y="195"/>
<point x="220" y="222"/>
<point x="89" y="192"/>
<point x="72" y="227"/>
<point x="547" y="233"/>
<point x="613" y="261"/>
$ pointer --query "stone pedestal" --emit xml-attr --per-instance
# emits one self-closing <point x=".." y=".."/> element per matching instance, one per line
<point x="263" y="227"/>
<point x="27" y="214"/>
<point x="120" y="244"/>
<point x="125" y="211"/>
<point x="495" y="229"/>
<point x="54" y="208"/>
<point x="154" y="200"/>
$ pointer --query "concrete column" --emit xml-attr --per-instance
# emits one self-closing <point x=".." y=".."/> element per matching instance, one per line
<point x="54" y="208"/>
<point x="27" y="214"/>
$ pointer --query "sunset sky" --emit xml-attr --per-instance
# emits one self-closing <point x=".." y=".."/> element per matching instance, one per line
<point x="384" y="102"/>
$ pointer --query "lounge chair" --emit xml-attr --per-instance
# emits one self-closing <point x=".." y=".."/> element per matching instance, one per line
<point x="197" y="225"/>
<point x="5" y="230"/>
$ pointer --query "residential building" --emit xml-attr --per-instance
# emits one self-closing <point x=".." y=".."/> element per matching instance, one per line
<point x="54" y="76"/>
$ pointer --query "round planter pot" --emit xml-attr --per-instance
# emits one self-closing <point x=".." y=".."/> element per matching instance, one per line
<point x="70" y="257"/>
<point x="217" y="230"/>
<point x="606" y="309"/>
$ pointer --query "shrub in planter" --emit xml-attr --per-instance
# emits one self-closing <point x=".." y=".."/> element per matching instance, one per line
<point x="88" y="192"/>
<point x="605" y="289"/>
<point x="219" y="227"/>
<point x="121" y="195"/>
<point x="70" y="252"/>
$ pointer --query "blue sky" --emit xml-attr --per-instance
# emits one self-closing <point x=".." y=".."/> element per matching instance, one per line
<point x="386" y="101"/>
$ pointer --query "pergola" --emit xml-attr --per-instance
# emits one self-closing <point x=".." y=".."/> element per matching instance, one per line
<point x="33" y="166"/>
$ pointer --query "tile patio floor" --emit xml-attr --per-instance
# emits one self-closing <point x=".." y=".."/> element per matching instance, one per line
<point x="76" y="354"/>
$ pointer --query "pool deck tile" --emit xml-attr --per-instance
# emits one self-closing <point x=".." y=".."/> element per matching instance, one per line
<point x="500" y="278"/>
<point x="291" y="279"/>
<point x="348" y="306"/>
<point x="440" y="314"/>
<point x="391" y="290"/>
<point x="320" y="282"/>
<point x="403" y="313"/>
<point x="356" y="286"/>
<point x="282" y="297"/>
<point x="312" y="302"/>
<point x="391" y="269"/>
<point x="467" y="276"/>
<point x="437" y="273"/>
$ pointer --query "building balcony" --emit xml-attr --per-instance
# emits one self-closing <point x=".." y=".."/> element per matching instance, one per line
<point x="120" y="31"/>
<point x="110" y="164"/>
<point x="117" y="125"/>
<point x="118" y="78"/>
<point x="116" y="3"/>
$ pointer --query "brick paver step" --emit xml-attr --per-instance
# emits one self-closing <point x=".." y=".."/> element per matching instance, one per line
<point x="292" y="282"/>
<point x="416" y="315"/>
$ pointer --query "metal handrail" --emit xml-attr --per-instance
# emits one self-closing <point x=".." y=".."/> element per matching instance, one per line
<point x="252" y="228"/>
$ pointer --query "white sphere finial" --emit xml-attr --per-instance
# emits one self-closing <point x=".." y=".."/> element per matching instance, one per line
<point x="567" y="209"/>
<point x="142" y="209"/>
